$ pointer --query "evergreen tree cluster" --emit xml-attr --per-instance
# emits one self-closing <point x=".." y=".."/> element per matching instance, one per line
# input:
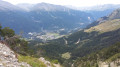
<point x="15" y="42"/>
<point x="6" y="32"/>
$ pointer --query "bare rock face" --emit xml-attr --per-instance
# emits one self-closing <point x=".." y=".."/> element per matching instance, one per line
<point x="8" y="58"/>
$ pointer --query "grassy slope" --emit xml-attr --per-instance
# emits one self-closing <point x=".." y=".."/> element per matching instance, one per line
<point x="109" y="25"/>
<point x="34" y="62"/>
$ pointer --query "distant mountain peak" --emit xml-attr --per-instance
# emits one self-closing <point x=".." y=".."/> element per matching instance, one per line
<point x="49" y="7"/>
<point x="42" y="6"/>
<point x="115" y="14"/>
<point x="96" y="7"/>
<point x="6" y="6"/>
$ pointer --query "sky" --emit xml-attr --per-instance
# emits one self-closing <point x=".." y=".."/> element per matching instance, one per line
<point x="76" y="3"/>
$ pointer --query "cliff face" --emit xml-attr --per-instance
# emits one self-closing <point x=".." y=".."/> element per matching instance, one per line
<point x="8" y="58"/>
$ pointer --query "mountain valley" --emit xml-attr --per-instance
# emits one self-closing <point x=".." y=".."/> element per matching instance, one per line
<point x="82" y="43"/>
<point x="48" y="35"/>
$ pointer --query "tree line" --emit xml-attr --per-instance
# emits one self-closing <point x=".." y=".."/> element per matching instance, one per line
<point x="15" y="42"/>
<point x="6" y="33"/>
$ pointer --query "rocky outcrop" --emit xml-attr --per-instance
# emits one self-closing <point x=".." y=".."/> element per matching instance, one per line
<point x="48" y="64"/>
<point x="110" y="64"/>
<point x="8" y="58"/>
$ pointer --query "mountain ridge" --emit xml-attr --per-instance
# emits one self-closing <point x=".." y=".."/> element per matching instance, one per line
<point x="114" y="15"/>
<point x="52" y="18"/>
<point x="70" y="48"/>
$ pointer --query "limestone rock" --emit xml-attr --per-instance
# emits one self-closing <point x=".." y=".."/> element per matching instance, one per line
<point x="8" y="58"/>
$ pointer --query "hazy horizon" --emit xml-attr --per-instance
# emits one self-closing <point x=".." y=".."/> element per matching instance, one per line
<point x="77" y="3"/>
